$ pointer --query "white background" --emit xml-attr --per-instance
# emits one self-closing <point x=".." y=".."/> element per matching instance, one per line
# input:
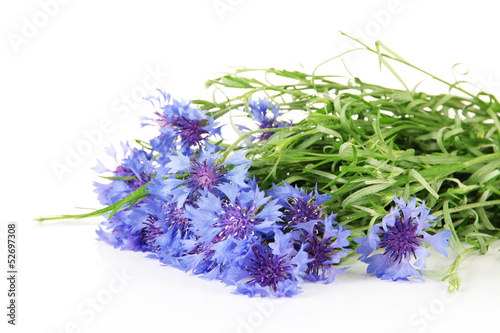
<point x="77" y="68"/>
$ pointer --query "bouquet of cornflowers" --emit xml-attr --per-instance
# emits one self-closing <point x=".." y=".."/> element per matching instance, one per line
<point x="289" y="202"/>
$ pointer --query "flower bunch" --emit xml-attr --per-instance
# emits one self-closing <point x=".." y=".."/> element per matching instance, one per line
<point x="289" y="202"/>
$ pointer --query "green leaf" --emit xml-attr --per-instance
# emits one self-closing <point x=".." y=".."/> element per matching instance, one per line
<point x="120" y="178"/>
<point x="132" y="198"/>
<point x="328" y="131"/>
<point x="234" y="82"/>
<point x="363" y="193"/>
<point x="418" y="177"/>
<point x="454" y="240"/>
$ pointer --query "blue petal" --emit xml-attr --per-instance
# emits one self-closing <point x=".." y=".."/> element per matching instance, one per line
<point x="439" y="241"/>
<point x="100" y="168"/>
<point x="364" y="247"/>
<point x="333" y="272"/>
<point x="178" y="163"/>
<point x="237" y="158"/>
<point x="400" y="271"/>
<point x="282" y="244"/>
<point x="231" y="190"/>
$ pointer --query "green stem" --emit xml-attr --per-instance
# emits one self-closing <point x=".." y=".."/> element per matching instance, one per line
<point x="132" y="198"/>
<point x="234" y="145"/>
<point x="409" y="65"/>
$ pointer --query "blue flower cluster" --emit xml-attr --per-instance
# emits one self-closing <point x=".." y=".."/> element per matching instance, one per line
<point x="204" y="214"/>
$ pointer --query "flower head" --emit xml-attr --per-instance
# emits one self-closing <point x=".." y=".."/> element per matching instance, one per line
<point x="183" y="129"/>
<point x="401" y="235"/>
<point x="135" y="169"/>
<point x="200" y="176"/>
<point x="165" y="225"/>
<point x="324" y="244"/>
<point x="275" y="270"/>
<point x="204" y="176"/>
<point x="227" y="227"/>
<point x="259" y="110"/>
<point x="298" y="205"/>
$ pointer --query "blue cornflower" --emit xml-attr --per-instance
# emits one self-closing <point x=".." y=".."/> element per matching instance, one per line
<point x="324" y="243"/>
<point x="259" y="110"/>
<point x="274" y="270"/>
<point x="165" y="226"/>
<point x="226" y="227"/>
<point x="202" y="175"/>
<point x="154" y="226"/>
<point x="136" y="169"/>
<point x="401" y="235"/>
<point x="298" y="205"/>
<point x="183" y="129"/>
<point x="118" y="232"/>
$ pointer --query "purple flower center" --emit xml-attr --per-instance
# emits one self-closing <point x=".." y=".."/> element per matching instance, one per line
<point x="204" y="176"/>
<point x="151" y="232"/>
<point x="301" y="211"/>
<point x="401" y="239"/>
<point x="175" y="218"/>
<point x="191" y="132"/>
<point x="236" y="221"/>
<point x="267" y="269"/>
<point x="267" y="124"/>
<point x="200" y="248"/>
<point x="320" y="251"/>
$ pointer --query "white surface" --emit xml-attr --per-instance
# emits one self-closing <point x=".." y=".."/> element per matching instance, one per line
<point x="78" y="70"/>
